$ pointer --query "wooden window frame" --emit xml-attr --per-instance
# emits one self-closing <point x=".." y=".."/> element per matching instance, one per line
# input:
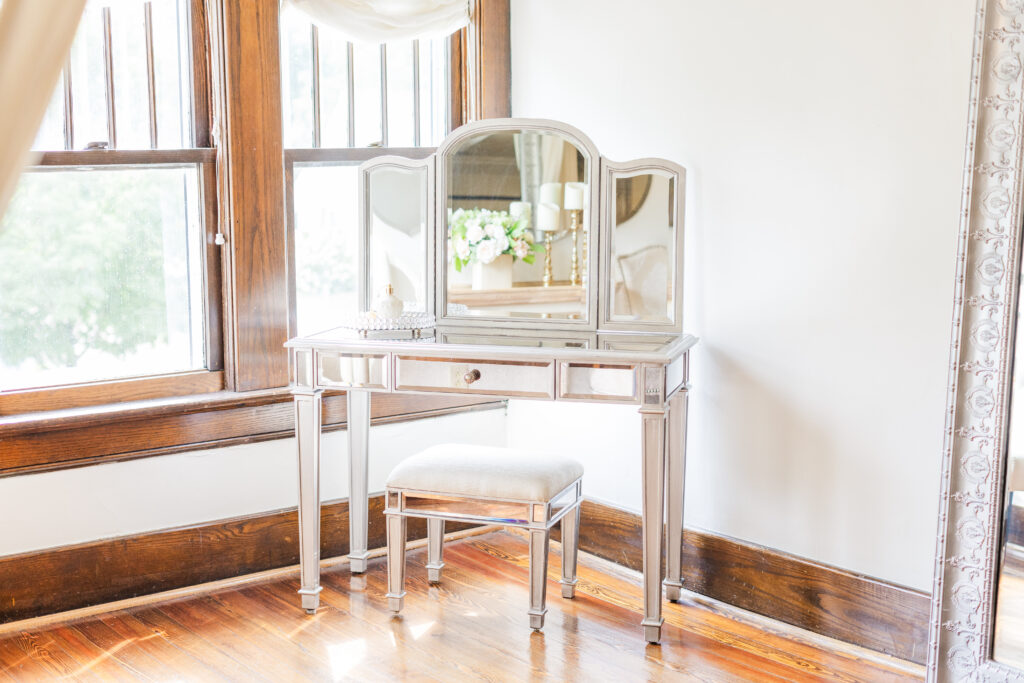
<point x="238" y="122"/>
<point x="203" y="157"/>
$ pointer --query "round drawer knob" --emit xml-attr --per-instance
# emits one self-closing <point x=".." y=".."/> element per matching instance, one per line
<point x="471" y="376"/>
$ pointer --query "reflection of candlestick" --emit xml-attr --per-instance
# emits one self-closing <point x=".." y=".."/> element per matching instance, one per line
<point x="547" y="259"/>
<point x="547" y="220"/>
<point x="583" y="258"/>
<point x="575" y="196"/>
<point x="574" y="277"/>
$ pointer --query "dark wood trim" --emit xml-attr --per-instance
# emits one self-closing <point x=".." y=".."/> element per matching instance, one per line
<point x="110" y="391"/>
<point x="827" y="600"/>
<point x="246" y="85"/>
<point x="67" y="439"/>
<point x="494" y="59"/>
<point x="71" y="577"/>
<point x="212" y="266"/>
<point x="458" y="102"/>
<point x="127" y="157"/>
<point x="200" y="75"/>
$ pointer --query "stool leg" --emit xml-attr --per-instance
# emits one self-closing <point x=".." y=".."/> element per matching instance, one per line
<point x="538" y="576"/>
<point x="570" y="546"/>
<point x="396" y="562"/>
<point x="435" y="547"/>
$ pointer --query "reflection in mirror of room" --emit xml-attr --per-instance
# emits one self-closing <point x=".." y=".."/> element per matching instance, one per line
<point x="398" y="233"/>
<point x="642" y="248"/>
<point x="531" y="183"/>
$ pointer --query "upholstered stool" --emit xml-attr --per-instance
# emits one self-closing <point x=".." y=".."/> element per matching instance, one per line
<point x="491" y="486"/>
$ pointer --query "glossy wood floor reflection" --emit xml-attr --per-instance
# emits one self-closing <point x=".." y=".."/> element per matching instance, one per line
<point x="471" y="627"/>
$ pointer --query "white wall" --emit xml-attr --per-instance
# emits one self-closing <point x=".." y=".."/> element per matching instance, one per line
<point x="102" y="501"/>
<point x="824" y="146"/>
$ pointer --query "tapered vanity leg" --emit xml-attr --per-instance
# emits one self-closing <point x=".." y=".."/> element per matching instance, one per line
<point x="675" y="477"/>
<point x="570" y="546"/>
<point x="307" y="432"/>
<point x="654" y="427"/>
<point x="435" y="548"/>
<point x="396" y="562"/>
<point x="358" y="502"/>
<point x="538" y="576"/>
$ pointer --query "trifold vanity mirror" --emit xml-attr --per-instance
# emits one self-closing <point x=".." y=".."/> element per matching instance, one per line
<point x="521" y="223"/>
<point x="977" y="617"/>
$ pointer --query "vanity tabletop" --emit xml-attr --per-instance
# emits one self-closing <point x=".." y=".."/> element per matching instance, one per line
<point x="492" y="342"/>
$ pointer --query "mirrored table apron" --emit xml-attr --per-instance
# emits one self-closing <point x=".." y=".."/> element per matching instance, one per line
<point x="650" y="371"/>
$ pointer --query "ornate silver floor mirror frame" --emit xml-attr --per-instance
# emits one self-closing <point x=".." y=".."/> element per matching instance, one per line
<point x="985" y="304"/>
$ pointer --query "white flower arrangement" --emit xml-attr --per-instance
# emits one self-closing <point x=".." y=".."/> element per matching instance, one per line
<point x="482" y="235"/>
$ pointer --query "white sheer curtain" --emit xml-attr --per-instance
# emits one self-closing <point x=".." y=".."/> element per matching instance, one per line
<point x="35" y="37"/>
<point x="383" y="21"/>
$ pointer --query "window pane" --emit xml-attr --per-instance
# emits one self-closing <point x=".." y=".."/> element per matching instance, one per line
<point x="326" y="245"/>
<point x="87" y="83"/>
<point x="51" y="132"/>
<point x="172" y="67"/>
<point x="401" y="96"/>
<point x="434" y="86"/>
<point x="333" y="89"/>
<point x="131" y="94"/>
<point x="297" y="77"/>
<point x="101" y="276"/>
<point x="367" y="94"/>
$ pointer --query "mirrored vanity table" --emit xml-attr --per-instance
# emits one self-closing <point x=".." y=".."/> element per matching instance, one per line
<point x="552" y="274"/>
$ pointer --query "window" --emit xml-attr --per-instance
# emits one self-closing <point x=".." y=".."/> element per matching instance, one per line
<point x="344" y="103"/>
<point x="114" y="285"/>
<point x="105" y="268"/>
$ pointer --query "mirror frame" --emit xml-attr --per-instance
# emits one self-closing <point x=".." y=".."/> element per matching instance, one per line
<point x="610" y="170"/>
<point x="591" y="218"/>
<point x="405" y="164"/>
<point x="981" y="358"/>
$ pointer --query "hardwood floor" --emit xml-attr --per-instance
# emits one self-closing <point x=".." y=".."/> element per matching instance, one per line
<point x="473" y="626"/>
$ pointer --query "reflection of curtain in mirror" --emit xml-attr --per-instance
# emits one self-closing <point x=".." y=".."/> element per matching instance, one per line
<point x="539" y="158"/>
<point x="395" y="258"/>
<point x="397" y="231"/>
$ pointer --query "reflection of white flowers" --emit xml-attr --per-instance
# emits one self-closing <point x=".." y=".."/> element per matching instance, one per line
<point x="487" y="250"/>
<point x="481" y="235"/>
<point x="521" y="248"/>
<point x="474" y="233"/>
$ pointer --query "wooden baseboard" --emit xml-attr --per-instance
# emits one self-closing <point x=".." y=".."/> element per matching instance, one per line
<point x="826" y="600"/>
<point x="71" y="577"/>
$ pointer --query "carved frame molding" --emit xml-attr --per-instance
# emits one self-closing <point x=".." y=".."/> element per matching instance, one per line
<point x="985" y="295"/>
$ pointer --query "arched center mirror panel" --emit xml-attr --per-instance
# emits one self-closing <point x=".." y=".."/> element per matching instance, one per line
<point x="516" y="203"/>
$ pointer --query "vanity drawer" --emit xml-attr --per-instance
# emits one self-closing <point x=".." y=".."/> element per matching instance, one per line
<point x="589" y="382"/>
<point x="466" y="376"/>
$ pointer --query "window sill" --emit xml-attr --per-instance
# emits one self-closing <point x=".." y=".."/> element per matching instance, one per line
<point x="77" y="437"/>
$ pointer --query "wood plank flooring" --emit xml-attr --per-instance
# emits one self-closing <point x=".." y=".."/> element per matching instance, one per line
<point x="473" y="626"/>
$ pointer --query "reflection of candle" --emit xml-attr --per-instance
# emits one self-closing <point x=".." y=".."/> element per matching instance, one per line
<point x="551" y="193"/>
<point x="520" y="210"/>
<point x="548" y="215"/>
<point x="575" y="194"/>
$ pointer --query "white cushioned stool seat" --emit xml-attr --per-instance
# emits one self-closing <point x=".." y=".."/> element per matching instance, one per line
<point x="486" y="472"/>
<point x="489" y="485"/>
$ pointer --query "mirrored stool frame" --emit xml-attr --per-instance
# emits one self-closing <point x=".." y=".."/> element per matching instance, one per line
<point x="536" y="516"/>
